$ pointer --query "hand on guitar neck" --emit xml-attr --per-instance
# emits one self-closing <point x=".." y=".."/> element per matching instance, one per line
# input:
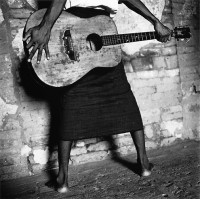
<point x="163" y="32"/>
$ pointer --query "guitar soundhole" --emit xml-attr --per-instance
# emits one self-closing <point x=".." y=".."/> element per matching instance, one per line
<point x="94" y="42"/>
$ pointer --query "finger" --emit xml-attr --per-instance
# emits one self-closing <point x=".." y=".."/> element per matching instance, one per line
<point x="165" y="39"/>
<point x="32" y="53"/>
<point x="31" y="43"/>
<point x="46" y="48"/>
<point x="27" y="35"/>
<point x="39" y="54"/>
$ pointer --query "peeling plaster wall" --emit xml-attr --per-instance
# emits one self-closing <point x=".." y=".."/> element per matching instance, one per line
<point x="189" y="64"/>
<point x="163" y="77"/>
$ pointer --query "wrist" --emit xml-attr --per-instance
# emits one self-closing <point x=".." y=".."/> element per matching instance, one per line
<point x="46" y="25"/>
<point x="154" y="20"/>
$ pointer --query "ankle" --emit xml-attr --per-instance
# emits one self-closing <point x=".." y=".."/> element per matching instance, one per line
<point x="62" y="180"/>
<point x="143" y="162"/>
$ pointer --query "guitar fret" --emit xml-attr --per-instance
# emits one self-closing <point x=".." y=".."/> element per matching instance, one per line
<point x="126" y="38"/>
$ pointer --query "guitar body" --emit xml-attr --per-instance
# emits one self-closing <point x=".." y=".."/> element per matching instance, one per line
<point x="75" y="48"/>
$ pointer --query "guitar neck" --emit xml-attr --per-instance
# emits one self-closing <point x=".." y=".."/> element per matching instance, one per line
<point x="127" y="38"/>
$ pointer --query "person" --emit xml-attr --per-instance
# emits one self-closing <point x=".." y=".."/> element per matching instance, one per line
<point x="101" y="103"/>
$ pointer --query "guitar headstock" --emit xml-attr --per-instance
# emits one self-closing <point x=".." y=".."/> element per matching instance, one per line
<point x="181" y="33"/>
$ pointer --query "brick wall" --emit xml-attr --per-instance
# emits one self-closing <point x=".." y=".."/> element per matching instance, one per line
<point x="163" y="77"/>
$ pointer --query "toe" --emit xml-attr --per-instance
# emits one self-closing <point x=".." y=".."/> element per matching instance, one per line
<point x="145" y="173"/>
<point x="63" y="189"/>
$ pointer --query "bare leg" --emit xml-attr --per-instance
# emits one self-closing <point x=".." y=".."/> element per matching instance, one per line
<point x="139" y="141"/>
<point x="64" y="148"/>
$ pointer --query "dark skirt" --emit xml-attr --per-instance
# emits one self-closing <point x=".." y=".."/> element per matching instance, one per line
<point x="99" y="104"/>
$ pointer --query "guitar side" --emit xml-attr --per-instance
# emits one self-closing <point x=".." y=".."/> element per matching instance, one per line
<point x="62" y="69"/>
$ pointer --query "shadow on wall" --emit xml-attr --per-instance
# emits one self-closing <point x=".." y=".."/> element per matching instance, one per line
<point x="40" y="92"/>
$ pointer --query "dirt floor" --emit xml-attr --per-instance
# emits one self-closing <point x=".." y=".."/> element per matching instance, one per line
<point x="176" y="174"/>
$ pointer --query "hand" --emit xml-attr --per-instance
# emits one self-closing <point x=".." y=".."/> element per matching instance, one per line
<point x="40" y="36"/>
<point x="164" y="33"/>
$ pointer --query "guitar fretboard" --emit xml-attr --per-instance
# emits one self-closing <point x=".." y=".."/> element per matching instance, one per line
<point x="126" y="38"/>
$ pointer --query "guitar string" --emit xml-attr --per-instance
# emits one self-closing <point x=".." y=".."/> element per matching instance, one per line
<point x="125" y="38"/>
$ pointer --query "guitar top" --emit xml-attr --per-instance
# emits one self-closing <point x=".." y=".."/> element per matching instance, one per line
<point x="75" y="48"/>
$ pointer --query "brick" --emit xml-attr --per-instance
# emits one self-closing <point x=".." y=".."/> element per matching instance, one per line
<point x="170" y="80"/>
<point x="79" y="143"/>
<point x="159" y="100"/>
<point x="171" y="77"/>
<point x="125" y="150"/>
<point x="149" y="131"/>
<point x="140" y="83"/>
<point x="150" y="116"/>
<point x="167" y="99"/>
<point x="184" y="50"/>
<point x="17" y="23"/>
<point x="144" y="91"/>
<point x="10" y="124"/>
<point x="151" y="145"/>
<point x="171" y="113"/>
<point x="11" y="134"/>
<point x="41" y="156"/>
<point x="169" y="73"/>
<point x="90" y="141"/>
<point x="20" y="13"/>
<point x="78" y="151"/>
<point x="166" y="134"/>
<point x="89" y="157"/>
<point x="16" y="3"/>
<point x="172" y="126"/>
<point x="4" y="48"/>
<point x="124" y="141"/>
<point x="40" y="139"/>
<point x="167" y="141"/>
<point x="8" y="94"/>
<point x="121" y="135"/>
<point x="3" y="34"/>
<point x="161" y="88"/>
<point x="165" y="62"/>
<point x="128" y="67"/>
<point x="8" y="143"/>
<point x="141" y="64"/>
<point x="168" y="51"/>
<point x="100" y="146"/>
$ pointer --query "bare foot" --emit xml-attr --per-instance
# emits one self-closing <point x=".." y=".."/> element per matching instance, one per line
<point x="145" y="167"/>
<point x="62" y="185"/>
<point x="63" y="189"/>
<point x="145" y="173"/>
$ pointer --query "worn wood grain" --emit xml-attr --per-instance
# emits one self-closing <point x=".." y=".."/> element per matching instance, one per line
<point x="60" y="70"/>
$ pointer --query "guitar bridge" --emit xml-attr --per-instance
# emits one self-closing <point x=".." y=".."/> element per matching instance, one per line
<point x="68" y="46"/>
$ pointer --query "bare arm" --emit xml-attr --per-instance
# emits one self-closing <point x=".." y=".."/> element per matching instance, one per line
<point x="136" y="5"/>
<point x="40" y="34"/>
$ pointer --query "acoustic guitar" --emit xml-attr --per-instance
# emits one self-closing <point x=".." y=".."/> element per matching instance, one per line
<point x="77" y="45"/>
